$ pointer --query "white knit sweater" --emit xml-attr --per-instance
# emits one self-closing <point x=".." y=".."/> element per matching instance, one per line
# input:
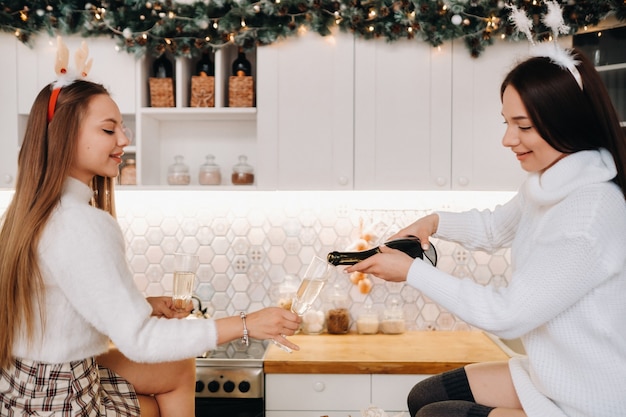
<point x="91" y="296"/>
<point x="567" y="296"/>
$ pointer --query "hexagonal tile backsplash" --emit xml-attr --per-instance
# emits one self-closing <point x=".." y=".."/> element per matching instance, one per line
<point x="249" y="241"/>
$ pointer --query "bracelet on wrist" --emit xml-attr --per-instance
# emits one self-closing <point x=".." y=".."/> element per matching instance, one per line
<point x="245" y="339"/>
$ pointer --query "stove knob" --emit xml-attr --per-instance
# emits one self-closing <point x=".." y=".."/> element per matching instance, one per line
<point x="213" y="386"/>
<point x="229" y="386"/>
<point x="244" y="386"/>
<point x="199" y="386"/>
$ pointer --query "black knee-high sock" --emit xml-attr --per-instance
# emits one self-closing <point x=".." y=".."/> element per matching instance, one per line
<point x="448" y="386"/>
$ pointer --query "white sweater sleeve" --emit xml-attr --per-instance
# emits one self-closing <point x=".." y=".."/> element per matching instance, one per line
<point x="567" y="258"/>
<point x="83" y="251"/>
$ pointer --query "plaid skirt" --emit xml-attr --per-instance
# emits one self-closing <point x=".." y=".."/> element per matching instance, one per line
<point x="79" y="388"/>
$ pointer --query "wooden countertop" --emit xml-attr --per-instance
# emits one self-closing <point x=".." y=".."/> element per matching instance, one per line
<point x="409" y="353"/>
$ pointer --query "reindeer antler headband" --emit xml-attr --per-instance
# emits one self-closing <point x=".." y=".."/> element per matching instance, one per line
<point x="65" y="76"/>
<point x="553" y="19"/>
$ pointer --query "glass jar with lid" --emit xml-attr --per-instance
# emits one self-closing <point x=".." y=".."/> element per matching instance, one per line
<point x="209" y="173"/>
<point x="243" y="173"/>
<point x="393" y="317"/>
<point x="128" y="173"/>
<point x="338" y="316"/>
<point x="367" y="322"/>
<point x="178" y="172"/>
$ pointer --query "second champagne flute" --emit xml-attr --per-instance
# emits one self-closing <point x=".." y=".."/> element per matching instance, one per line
<point x="314" y="279"/>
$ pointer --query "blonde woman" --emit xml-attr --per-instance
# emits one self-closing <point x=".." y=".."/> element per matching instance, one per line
<point x="66" y="289"/>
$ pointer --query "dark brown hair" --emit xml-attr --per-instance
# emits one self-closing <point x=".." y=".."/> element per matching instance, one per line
<point x="568" y="118"/>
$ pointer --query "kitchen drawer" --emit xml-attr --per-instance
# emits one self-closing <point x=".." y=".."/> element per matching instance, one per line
<point x="322" y="392"/>
<point x="389" y="392"/>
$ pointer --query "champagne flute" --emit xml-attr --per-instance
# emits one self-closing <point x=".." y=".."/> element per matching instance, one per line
<point x="312" y="283"/>
<point x="185" y="266"/>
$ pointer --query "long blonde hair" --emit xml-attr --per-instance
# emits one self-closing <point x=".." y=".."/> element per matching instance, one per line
<point x="44" y="163"/>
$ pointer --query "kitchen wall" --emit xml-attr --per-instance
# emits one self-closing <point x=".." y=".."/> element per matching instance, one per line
<point x="249" y="241"/>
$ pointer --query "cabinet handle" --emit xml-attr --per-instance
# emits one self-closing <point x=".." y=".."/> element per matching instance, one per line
<point x="441" y="181"/>
<point x="343" y="180"/>
<point x="463" y="181"/>
<point x="8" y="178"/>
<point x="319" y="386"/>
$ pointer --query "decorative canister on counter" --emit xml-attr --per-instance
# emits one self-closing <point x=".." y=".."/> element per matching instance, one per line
<point x="243" y="173"/>
<point x="209" y="172"/>
<point x="338" y="317"/>
<point x="178" y="172"/>
<point x="367" y="322"/>
<point x="393" y="318"/>
<point x="313" y="322"/>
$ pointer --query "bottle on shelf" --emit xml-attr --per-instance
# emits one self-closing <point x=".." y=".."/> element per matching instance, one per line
<point x="128" y="173"/>
<point x="410" y="245"/>
<point x="162" y="67"/>
<point x="178" y="172"/>
<point x="209" y="173"/>
<point x="241" y="65"/>
<point x="205" y="67"/>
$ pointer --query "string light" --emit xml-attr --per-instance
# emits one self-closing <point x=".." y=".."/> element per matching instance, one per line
<point x="162" y="27"/>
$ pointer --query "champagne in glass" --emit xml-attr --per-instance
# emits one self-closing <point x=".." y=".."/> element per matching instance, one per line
<point x="312" y="283"/>
<point x="185" y="267"/>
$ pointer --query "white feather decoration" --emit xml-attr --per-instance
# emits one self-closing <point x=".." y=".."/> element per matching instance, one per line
<point x="522" y="22"/>
<point x="554" y="19"/>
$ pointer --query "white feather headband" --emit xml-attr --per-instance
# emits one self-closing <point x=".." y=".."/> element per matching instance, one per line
<point x="553" y="19"/>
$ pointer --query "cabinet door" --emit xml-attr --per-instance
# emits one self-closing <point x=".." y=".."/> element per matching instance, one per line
<point x="306" y="112"/>
<point x="8" y="116"/>
<point x="115" y="70"/>
<point x="389" y="392"/>
<point x="321" y="392"/>
<point x="479" y="161"/>
<point x="402" y="116"/>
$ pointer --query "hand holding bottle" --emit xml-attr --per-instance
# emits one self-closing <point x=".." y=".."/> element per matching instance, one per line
<point x="390" y="265"/>
<point x="423" y="228"/>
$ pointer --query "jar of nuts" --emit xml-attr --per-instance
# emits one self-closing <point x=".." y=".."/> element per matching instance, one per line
<point x="338" y="316"/>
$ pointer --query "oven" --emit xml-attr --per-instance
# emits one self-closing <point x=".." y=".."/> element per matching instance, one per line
<point x="230" y="381"/>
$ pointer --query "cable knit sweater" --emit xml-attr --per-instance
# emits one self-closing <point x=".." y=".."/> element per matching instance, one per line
<point x="567" y="295"/>
<point x="90" y="295"/>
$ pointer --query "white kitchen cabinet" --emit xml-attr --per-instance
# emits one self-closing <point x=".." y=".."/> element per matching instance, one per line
<point x="479" y="161"/>
<point x="402" y="115"/>
<point x="306" y="112"/>
<point x="8" y="117"/>
<point x="336" y="395"/>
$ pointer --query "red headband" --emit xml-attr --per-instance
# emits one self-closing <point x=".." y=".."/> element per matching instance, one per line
<point x="53" y="102"/>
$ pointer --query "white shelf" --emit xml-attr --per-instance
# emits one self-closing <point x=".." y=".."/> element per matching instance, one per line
<point x="199" y="114"/>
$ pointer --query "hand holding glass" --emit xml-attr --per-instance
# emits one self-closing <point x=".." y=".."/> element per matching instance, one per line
<point x="312" y="283"/>
<point x="185" y="267"/>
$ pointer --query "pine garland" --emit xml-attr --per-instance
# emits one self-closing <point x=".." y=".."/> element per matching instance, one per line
<point x="187" y="29"/>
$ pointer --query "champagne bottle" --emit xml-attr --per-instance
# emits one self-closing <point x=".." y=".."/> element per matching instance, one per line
<point x="241" y="65"/>
<point x="205" y="66"/>
<point x="410" y="245"/>
<point x="162" y="67"/>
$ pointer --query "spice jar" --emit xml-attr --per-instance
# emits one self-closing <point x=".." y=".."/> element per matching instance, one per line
<point x="178" y="172"/>
<point x="209" y="173"/>
<point x="393" y="318"/>
<point x="367" y="322"/>
<point x="243" y="173"/>
<point x="338" y="317"/>
<point x="128" y="173"/>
